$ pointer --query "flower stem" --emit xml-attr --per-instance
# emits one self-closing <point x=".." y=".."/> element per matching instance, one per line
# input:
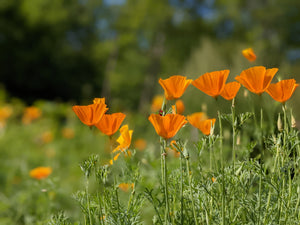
<point x="191" y="191"/>
<point x="181" y="188"/>
<point x="165" y="179"/>
<point x="88" y="200"/>
<point x="222" y="168"/>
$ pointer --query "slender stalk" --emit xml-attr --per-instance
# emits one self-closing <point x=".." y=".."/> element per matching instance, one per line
<point x="88" y="200"/>
<point x="233" y="133"/>
<point x="131" y="197"/>
<point x="267" y="208"/>
<point x="222" y="168"/>
<point x="165" y="179"/>
<point x="191" y="191"/>
<point x="233" y="149"/>
<point x="259" y="194"/>
<point x="181" y="188"/>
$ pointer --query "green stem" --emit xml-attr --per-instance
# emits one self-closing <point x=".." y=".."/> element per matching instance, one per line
<point x="267" y="207"/>
<point x="181" y="188"/>
<point x="165" y="180"/>
<point x="233" y="133"/>
<point x="259" y="194"/>
<point x="222" y="168"/>
<point x="88" y="200"/>
<point x="191" y="191"/>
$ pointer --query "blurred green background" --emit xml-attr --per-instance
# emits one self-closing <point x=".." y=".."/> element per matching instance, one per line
<point x="68" y="50"/>
<point x="57" y="53"/>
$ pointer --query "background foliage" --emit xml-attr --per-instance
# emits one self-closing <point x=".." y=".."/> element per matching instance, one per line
<point x="72" y="50"/>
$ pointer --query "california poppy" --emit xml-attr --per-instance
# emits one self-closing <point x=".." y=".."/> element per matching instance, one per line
<point x="140" y="144"/>
<point x="249" y="54"/>
<point x="212" y="83"/>
<point x="200" y="121"/>
<point x="125" y="139"/>
<point x="157" y="102"/>
<point x="167" y="126"/>
<point x="5" y="113"/>
<point x="282" y="90"/>
<point x="31" y="113"/>
<point x="91" y="114"/>
<point x="174" y="86"/>
<point x="230" y="90"/>
<point x="110" y="123"/>
<point x="178" y="107"/>
<point x="125" y="186"/>
<point x="256" y="79"/>
<point x="40" y="172"/>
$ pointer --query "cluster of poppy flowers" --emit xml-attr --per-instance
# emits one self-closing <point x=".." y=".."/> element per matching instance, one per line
<point x="256" y="79"/>
<point x="95" y="115"/>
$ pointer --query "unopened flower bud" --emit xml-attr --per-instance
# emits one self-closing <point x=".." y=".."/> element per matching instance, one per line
<point x="279" y="123"/>
<point x="245" y="93"/>
<point x="238" y="139"/>
<point x="293" y="122"/>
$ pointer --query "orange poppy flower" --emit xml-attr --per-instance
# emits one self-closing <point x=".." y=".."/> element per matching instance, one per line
<point x="230" y="90"/>
<point x="256" y="79"/>
<point x="31" y="113"/>
<point x="68" y="133"/>
<point x="200" y="121"/>
<point x="124" y="140"/>
<point x="178" y="107"/>
<point x="157" y="102"/>
<point x="282" y="90"/>
<point x="5" y="112"/>
<point x="249" y="54"/>
<point x="167" y="126"/>
<point x="212" y="83"/>
<point x="140" y="144"/>
<point x="91" y="114"/>
<point x="125" y="186"/>
<point x="110" y="123"/>
<point x="40" y="172"/>
<point x="174" y="86"/>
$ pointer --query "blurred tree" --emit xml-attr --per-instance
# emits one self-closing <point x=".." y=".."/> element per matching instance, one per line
<point x="45" y="48"/>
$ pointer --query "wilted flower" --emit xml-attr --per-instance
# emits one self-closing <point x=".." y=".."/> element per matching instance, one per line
<point x="256" y="79"/>
<point x="230" y="90"/>
<point x="31" y="113"/>
<point x="282" y="90"/>
<point x="110" y="123"/>
<point x="174" y="86"/>
<point x="249" y="54"/>
<point x="167" y="126"/>
<point x="212" y="83"/>
<point x="124" y="141"/>
<point x="40" y="172"/>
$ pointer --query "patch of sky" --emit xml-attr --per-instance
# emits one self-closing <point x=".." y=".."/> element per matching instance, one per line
<point x="293" y="55"/>
<point x="74" y="40"/>
<point x="114" y="2"/>
<point x="225" y="29"/>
